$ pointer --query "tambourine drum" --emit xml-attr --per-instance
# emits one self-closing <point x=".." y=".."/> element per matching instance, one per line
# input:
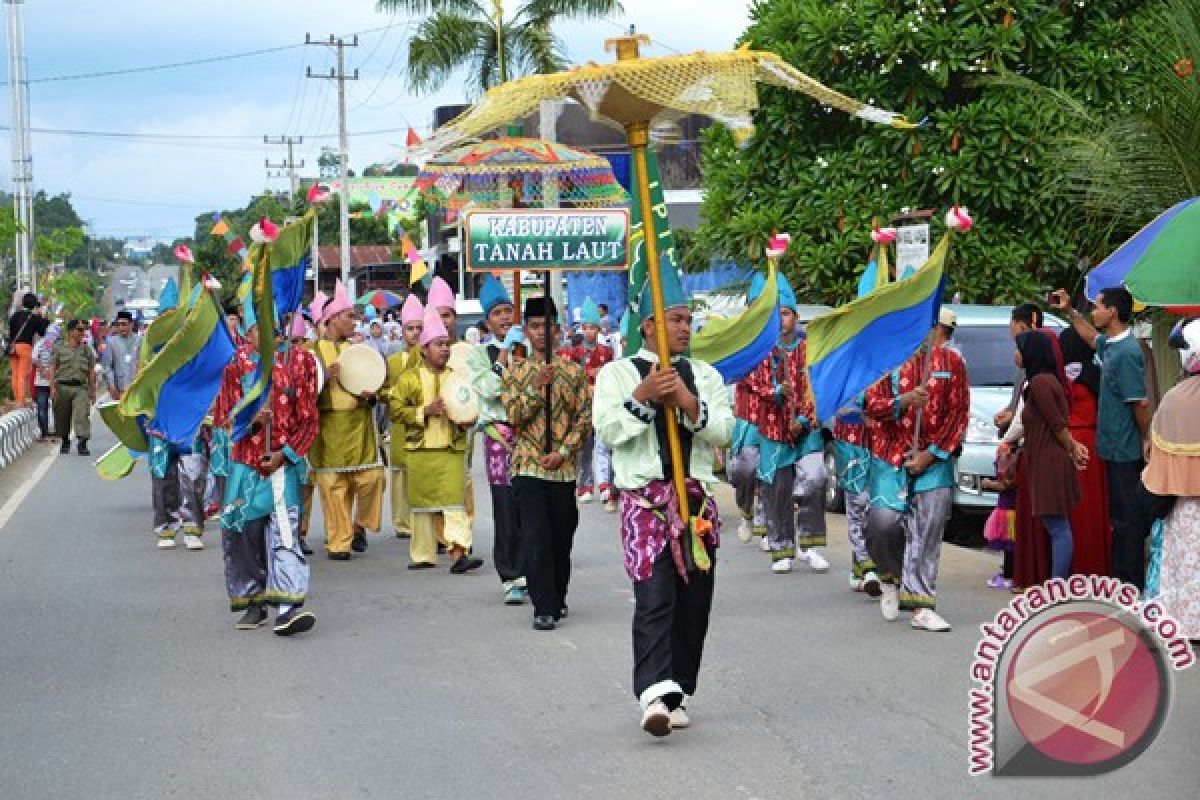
<point x="462" y="404"/>
<point x="320" y="375"/>
<point x="361" y="369"/>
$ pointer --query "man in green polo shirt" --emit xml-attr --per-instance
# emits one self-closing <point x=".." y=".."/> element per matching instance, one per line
<point x="73" y="387"/>
<point x="1122" y="422"/>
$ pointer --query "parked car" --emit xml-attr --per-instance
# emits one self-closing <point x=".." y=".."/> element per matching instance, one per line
<point x="983" y="339"/>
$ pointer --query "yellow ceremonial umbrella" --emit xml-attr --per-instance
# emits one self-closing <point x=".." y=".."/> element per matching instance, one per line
<point x="637" y="93"/>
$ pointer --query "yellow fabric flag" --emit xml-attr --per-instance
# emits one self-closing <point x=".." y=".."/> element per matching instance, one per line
<point x="221" y="228"/>
<point x="418" y="268"/>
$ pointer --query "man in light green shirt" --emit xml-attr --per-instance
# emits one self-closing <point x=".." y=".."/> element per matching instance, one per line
<point x="672" y="588"/>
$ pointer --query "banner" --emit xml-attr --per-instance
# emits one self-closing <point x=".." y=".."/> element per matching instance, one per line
<point x="395" y="198"/>
<point x="912" y="248"/>
<point x="660" y="226"/>
<point x="551" y="239"/>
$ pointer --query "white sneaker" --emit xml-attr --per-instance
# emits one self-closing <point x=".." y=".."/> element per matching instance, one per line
<point x="856" y="584"/>
<point x="889" y="602"/>
<point x="166" y="544"/>
<point x="193" y="542"/>
<point x="871" y="584"/>
<point x="745" y="532"/>
<point x="926" y="619"/>
<point x="815" y="560"/>
<point x="764" y="544"/>
<point x="782" y="566"/>
<point x="656" y="720"/>
<point x="586" y="497"/>
<point x="679" y="718"/>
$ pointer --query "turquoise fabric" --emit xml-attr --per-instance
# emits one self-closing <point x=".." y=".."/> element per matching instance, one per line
<point x="218" y="456"/>
<point x="1123" y="381"/>
<point x="248" y="494"/>
<point x="888" y="485"/>
<point x="853" y="466"/>
<point x="673" y="296"/>
<point x="939" y="475"/>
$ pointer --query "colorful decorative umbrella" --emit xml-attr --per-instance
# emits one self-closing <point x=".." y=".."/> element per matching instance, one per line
<point x="491" y="173"/>
<point x="380" y="299"/>
<point x="639" y="93"/>
<point x="1160" y="265"/>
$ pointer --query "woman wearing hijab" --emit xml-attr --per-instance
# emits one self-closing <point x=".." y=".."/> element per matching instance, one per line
<point x="1091" y="529"/>
<point x="1174" y="471"/>
<point x="41" y="379"/>
<point x="1052" y="455"/>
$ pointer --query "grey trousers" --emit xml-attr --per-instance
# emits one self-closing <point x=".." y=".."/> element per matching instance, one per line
<point x="165" y="493"/>
<point x="781" y="513"/>
<point x="858" y="505"/>
<point x="260" y="569"/>
<point x="808" y="492"/>
<point x="908" y="547"/>
<point x="193" y="478"/>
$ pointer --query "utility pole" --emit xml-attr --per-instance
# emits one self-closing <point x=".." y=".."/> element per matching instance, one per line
<point x="22" y="156"/>
<point x="341" y="77"/>
<point x="290" y="165"/>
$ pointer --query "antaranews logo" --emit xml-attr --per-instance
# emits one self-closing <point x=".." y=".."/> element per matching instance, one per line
<point x="1073" y="678"/>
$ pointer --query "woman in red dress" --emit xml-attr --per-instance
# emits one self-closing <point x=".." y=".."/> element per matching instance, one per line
<point x="1089" y="520"/>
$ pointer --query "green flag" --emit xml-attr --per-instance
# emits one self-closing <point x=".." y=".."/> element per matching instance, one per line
<point x="638" y="268"/>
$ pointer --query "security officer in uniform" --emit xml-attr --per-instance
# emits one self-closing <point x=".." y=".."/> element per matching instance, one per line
<point x="73" y="387"/>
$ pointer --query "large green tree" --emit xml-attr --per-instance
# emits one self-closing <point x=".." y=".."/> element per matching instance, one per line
<point x="493" y="47"/>
<point x="823" y="176"/>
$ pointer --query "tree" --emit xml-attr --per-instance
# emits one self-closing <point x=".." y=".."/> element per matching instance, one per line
<point x="474" y="34"/>
<point x="78" y="292"/>
<point x="55" y="245"/>
<point x="823" y="176"/>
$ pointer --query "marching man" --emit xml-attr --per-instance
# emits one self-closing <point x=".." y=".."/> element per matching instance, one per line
<point x="411" y="321"/>
<point x="260" y="519"/>
<point x="912" y="472"/>
<point x="672" y="595"/>
<point x="486" y="365"/>
<point x="345" y="456"/>
<point x="781" y="422"/>
<point x="436" y="455"/>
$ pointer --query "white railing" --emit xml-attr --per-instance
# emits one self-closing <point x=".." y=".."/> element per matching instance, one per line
<point x="18" y="429"/>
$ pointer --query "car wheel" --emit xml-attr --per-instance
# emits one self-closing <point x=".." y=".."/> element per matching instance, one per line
<point x="835" y="499"/>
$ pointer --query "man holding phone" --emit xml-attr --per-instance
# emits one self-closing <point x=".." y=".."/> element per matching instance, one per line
<point x="1122" y="422"/>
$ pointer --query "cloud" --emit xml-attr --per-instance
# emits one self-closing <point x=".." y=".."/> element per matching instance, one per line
<point x="165" y="185"/>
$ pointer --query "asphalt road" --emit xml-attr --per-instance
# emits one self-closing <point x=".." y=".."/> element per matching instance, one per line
<point x="121" y="676"/>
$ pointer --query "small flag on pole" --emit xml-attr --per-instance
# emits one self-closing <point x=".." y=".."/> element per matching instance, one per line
<point x="417" y="266"/>
<point x="410" y="140"/>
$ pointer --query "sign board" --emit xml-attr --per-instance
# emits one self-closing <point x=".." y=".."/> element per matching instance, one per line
<point x="912" y="248"/>
<point x="546" y="239"/>
<point x="393" y="197"/>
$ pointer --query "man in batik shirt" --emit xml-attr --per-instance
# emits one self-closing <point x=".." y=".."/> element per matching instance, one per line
<point x="544" y="478"/>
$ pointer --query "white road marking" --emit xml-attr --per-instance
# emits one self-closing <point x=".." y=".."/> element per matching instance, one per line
<point x="18" y="497"/>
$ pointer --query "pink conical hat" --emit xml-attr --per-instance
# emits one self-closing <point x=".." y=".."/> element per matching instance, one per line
<point x="317" y="305"/>
<point x="299" y="329"/>
<point x="440" y="295"/>
<point x="412" y="311"/>
<point x="340" y="301"/>
<point x="433" y="327"/>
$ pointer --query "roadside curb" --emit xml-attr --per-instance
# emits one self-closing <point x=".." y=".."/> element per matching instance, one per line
<point x="18" y="429"/>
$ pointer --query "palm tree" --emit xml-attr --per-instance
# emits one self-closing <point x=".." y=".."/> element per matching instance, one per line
<point x="477" y="35"/>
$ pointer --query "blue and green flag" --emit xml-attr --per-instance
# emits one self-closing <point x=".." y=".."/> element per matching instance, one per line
<point x="852" y="347"/>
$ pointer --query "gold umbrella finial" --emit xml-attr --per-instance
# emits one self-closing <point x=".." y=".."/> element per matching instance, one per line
<point x="628" y="47"/>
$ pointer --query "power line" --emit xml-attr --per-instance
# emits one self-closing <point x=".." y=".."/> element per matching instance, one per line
<point x="188" y="137"/>
<point x="195" y="62"/>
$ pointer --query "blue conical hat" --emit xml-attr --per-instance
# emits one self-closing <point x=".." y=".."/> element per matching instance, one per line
<point x="493" y="294"/>
<point x="673" y="296"/>
<point x="589" y="314"/>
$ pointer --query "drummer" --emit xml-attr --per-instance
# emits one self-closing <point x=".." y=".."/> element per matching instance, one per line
<point x="411" y="316"/>
<point x="436" y="455"/>
<point x="345" y="457"/>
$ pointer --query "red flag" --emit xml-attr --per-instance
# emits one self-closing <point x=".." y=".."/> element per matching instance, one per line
<point x="235" y="246"/>
<point x="412" y="139"/>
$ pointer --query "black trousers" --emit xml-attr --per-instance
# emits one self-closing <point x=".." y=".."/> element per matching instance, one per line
<point x="1131" y="526"/>
<point x="548" y="517"/>
<point x="506" y="544"/>
<point x="670" y="621"/>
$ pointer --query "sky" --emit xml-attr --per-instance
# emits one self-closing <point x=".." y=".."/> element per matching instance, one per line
<point x="130" y="187"/>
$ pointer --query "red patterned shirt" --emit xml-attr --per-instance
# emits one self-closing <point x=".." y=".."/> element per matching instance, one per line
<point x="944" y="420"/>
<point x="294" y="416"/>
<point x="591" y="359"/>
<point x="758" y="398"/>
